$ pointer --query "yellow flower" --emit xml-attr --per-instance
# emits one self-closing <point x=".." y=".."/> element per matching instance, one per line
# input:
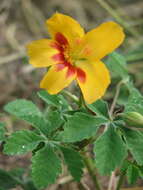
<point x="72" y="54"/>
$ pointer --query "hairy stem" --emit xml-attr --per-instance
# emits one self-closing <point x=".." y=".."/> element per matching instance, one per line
<point x="115" y="98"/>
<point x="120" y="181"/>
<point x="71" y="96"/>
<point x="91" y="169"/>
<point x="112" y="181"/>
<point x="82" y="186"/>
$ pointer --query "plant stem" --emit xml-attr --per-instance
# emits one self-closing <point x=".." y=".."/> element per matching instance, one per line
<point x="120" y="182"/>
<point x="113" y="176"/>
<point x="115" y="98"/>
<point x="119" y="19"/>
<point x="82" y="186"/>
<point x="70" y="95"/>
<point x="91" y="169"/>
<point x="112" y="181"/>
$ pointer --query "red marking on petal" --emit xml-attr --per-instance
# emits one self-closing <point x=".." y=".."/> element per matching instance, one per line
<point x="60" y="66"/>
<point x="81" y="75"/>
<point x="57" y="46"/>
<point x="60" y="38"/>
<point x="67" y="64"/>
<point x="71" y="71"/>
<point x="58" y="57"/>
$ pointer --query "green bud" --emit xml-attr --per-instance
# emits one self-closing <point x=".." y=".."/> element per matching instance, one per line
<point x="133" y="119"/>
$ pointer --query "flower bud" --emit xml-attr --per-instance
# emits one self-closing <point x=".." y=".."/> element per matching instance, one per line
<point x="133" y="119"/>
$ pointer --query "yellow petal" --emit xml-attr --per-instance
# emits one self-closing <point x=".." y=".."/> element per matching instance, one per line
<point x="41" y="53"/>
<point x="66" y="25"/>
<point x="96" y="81"/>
<point x="102" y="40"/>
<point x="55" y="80"/>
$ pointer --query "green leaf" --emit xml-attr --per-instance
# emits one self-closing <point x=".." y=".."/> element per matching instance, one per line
<point x="125" y="166"/>
<point x="49" y="99"/>
<point x="109" y="151"/>
<point x="100" y="107"/>
<point x="63" y="102"/>
<point x="134" y="140"/>
<point x="117" y="65"/>
<point x="2" y="132"/>
<point x="22" y="108"/>
<point x="55" y="120"/>
<point x="132" y="174"/>
<point x="74" y="162"/>
<point x="21" y="142"/>
<point x="46" y="167"/>
<point x="123" y="95"/>
<point x="80" y="126"/>
<point x="135" y="101"/>
<point x="27" y="111"/>
<point x="7" y="181"/>
<point x="54" y="100"/>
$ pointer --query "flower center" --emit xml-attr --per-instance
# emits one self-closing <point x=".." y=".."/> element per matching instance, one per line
<point x="67" y="58"/>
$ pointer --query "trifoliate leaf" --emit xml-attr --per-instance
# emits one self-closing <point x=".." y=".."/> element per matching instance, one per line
<point x="54" y="100"/>
<point x="27" y="111"/>
<point x="46" y="167"/>
<point x="21" y="142"/>
<point x="55" y="119"/>
<point x="134" y="140"/>
<point x="100" y="107"/>
<point x="48" y="98"/>
<point x="81" y="126"/>
<point x="74" y="162"/>
<point x="109" y="151"/>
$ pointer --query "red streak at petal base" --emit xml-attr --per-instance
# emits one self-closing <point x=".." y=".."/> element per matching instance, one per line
<point x="58" y="57"/>
<point x="81" y="75"/>
<point x="57" y="46"/>
<point x="60" y="66"/>
<point x="60" y="38"/>
<point x="71" y="71"/>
